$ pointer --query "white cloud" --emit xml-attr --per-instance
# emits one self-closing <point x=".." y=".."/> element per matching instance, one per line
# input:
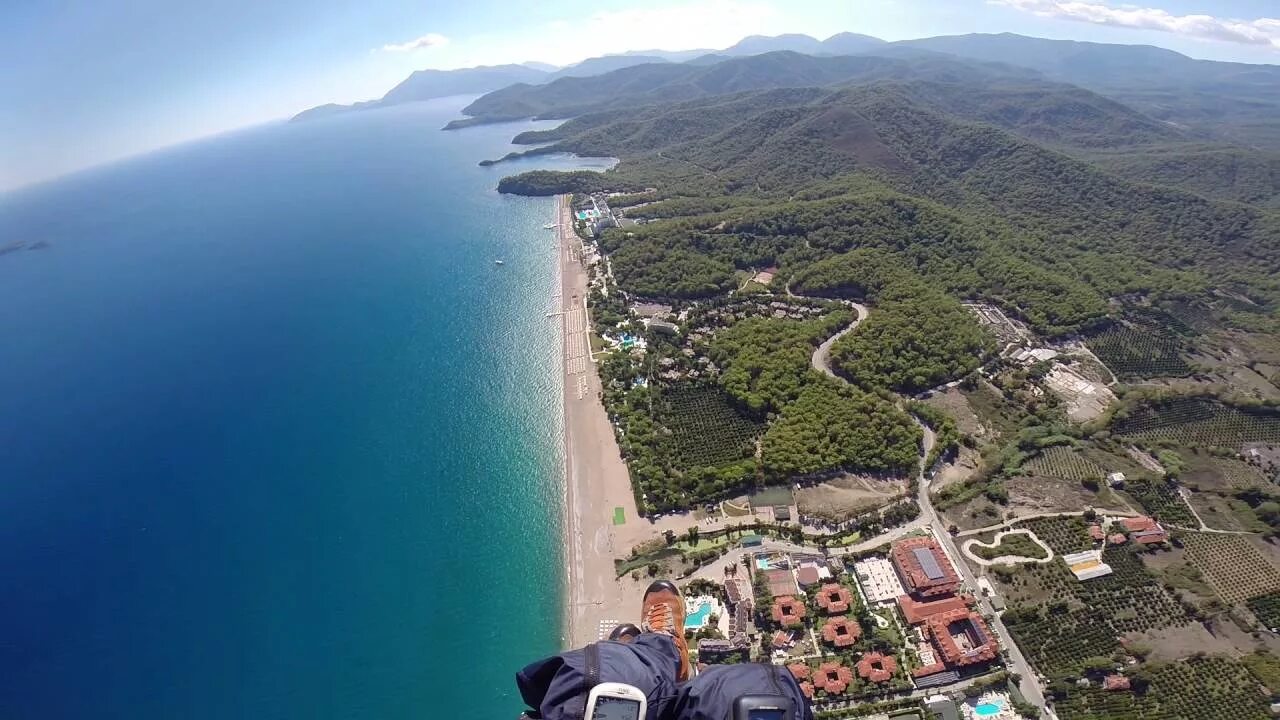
<point x="426" y="41"/>
<point x="1263" y="31"/>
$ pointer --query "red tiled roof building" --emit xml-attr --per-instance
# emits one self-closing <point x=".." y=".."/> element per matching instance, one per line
<point x="1138" y="524"/>
<point x="781" y="639"/>
<point x="835" y="599"/>
<point x="962" y="638"/>
<point x="917" y="612"/>
<point x="807" y="575"/>
<point x="1115" y="682"/>
<point x="806" y="689"/>
<point x="832" y="678"/>
<point x="1118" y="539"/>
<point x="841" y="632"/>
<point x="799" y="671"/>
<point x="924" y="569"/>
<point x="1151" y="537"/>
<point x="788" y="611"/>
<point x="876" y="667"/>
<point x="1095" y="532"/>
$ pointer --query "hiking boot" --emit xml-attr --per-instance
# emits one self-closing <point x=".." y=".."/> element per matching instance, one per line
<point x="663" y="613"/>
<point x="625" y="633"/>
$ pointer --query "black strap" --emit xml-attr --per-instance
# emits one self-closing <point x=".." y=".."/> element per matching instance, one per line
<point x="591" y="667"/>
<point x="590" y="674"/>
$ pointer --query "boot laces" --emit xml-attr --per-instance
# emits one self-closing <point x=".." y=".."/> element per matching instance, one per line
<point x="659" y="617"/>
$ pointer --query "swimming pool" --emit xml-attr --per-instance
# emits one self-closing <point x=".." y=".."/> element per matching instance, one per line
<point x="696" y="619"/>
<point x="762" y="563"/>
<point x="988" y="709"/>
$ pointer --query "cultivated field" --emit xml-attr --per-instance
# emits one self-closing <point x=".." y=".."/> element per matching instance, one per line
<point x="1232" y="565"/>
<point x="1200" y="688"/>
<point x="705" y="429"/>
<point x="1064" y="534"/>
<point x="1200" y="421"/>
<point x="1133" y="352"/>
<point x="1064" y="462"/>
<point x="1060" y="622"/>
<point x="1266" y="608"/>
<point x="1162" y="500"/>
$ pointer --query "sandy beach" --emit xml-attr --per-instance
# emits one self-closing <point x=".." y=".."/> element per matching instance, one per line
<point x="596" y="479"/>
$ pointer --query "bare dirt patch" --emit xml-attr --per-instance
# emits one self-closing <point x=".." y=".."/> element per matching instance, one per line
<point x="953" y="403"/>
<point x="963" y="467"/>
<point x="1205" y="472"/>
<point x="1171" y="644"/>
<point x="845" y="497"/>
<point x="1084" y="400"/>
<point x="1225" y="513"/>
<point x="1034" y="495"/>
<point x="978" y="512"/>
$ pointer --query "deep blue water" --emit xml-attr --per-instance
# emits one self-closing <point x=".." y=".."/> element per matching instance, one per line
<point x="277" y="437"/>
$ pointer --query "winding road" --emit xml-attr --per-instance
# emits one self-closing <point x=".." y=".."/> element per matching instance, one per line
<point x="1017" y="663"/>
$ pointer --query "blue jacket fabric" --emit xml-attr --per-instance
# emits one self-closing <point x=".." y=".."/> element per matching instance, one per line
<point x="710" y="695"/>
<point x="556" y="687"/>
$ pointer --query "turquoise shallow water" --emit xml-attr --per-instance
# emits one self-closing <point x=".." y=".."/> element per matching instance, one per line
<point x="280" y="439"/>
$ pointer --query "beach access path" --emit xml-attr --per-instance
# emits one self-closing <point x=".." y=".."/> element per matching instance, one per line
<point x="596" y="477"/>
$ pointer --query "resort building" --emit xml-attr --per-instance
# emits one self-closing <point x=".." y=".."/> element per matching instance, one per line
<point x="841" y="632"/>
<point x="879" y="580"/>
<point x="807" y="576"/>
<point x="923" y="568"/>
<point x="876" y="667"/>
<point x="835" y="599"/>
<point x="832" y="678"/>
<point x="917" y="612"/>
<point x="714" y="650"/>
<point x="802" y="673"/>
<point x="962" y="638"/>
<point x="663" y="326"/>
<point x="943" y="707"/>
<point x="788" y="612"/>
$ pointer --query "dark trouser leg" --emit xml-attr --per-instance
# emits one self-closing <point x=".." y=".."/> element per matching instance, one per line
<point x="710" y="695"/>
<point x="554" y="687"/>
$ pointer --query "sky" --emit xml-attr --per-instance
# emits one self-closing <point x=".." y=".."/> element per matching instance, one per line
<point x="89" y="81"/>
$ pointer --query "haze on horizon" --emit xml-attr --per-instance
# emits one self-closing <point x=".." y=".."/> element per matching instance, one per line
<point x="89" y="84"/>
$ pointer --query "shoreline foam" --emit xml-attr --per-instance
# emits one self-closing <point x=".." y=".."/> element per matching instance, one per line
<point x="596" y="477"/>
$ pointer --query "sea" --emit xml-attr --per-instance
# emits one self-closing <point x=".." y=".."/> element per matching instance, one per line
<point x="279" y="438"/>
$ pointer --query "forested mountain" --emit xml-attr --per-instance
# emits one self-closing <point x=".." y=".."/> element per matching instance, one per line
<point x="601" y="65"/>
<point x="1234" y="101"/>
<point x="1222" y="172"/>
<point x="659" y="84"/>
<point x="792" y="176"/>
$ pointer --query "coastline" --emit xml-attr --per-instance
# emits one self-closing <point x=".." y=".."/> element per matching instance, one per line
<point x="596" y="481"/>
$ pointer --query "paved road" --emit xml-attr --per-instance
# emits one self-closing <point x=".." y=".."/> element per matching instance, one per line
<point x="822" y="356"/>
<point x="1028" y="685"/>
